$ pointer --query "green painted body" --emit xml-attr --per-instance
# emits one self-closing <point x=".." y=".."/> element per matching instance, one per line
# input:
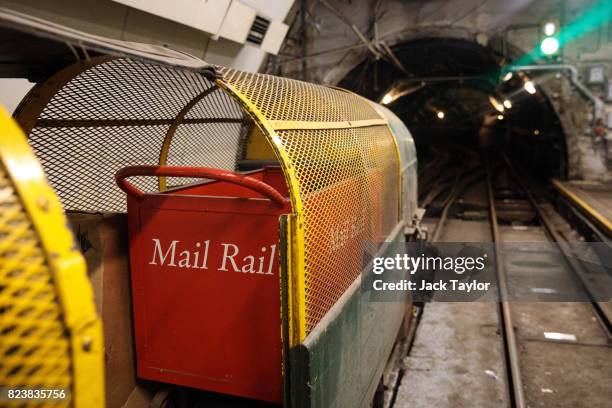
<point x="340" y="363"/>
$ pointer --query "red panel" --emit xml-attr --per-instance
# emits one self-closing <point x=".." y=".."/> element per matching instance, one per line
<point x="207" y="323"/>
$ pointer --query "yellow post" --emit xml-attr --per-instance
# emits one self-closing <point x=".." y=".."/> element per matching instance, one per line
<point x="51" y="334"/>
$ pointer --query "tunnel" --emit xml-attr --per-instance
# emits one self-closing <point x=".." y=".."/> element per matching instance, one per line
<point x="452" y="93"/>
<point x="305" y="204"/>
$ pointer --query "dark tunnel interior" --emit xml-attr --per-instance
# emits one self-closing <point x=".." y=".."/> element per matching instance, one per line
<point x="452" y="94"/>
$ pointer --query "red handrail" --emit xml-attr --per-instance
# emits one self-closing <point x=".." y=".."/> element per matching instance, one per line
<point x="199" y="172"/>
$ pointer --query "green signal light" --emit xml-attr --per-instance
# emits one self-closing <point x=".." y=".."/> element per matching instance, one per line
<point x="549" y="46"/>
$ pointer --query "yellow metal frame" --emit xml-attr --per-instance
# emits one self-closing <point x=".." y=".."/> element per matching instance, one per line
<point x="64" y="260"/>
<point x="585" y="206"/>
<point x="297" y="285"/>
<point x="165" y="150"/>
<point x="297" y="295"/>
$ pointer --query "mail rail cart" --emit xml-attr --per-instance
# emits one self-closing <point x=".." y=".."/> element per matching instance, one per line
<point x="307" y="328"/>
<point x="225" y="328"/>
<point x="205" y="279"/>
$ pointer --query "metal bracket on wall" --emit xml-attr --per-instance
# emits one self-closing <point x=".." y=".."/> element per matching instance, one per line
<point x="596" y="101"/>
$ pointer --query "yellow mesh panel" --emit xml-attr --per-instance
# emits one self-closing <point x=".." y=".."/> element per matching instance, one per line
<point x="348" y="185"/>
<point x="286" y="99"/>
<point x="34" y="347"/>
<point x="344" y="181"/>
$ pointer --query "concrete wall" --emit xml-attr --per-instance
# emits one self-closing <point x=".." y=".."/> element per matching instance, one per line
<point x="488" y="23"/>
<point x="114" y="20"/>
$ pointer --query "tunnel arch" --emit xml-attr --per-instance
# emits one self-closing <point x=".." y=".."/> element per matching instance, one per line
<point x="554" y="88"/>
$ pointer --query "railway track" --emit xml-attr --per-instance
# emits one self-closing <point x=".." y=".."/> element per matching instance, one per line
<point x="515" y="380"/>
<point x="600" y="309"/>
<point x="512" y="342"/>
<point x="570" y="345"/>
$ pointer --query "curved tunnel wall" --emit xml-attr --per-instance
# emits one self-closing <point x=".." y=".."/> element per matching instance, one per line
<point x="555" y="92"/>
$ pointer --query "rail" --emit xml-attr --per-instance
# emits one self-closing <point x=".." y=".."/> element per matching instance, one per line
<point x="602" y="313"/>
<point x="199" y="172"/>
<point x="510" y="343"/>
